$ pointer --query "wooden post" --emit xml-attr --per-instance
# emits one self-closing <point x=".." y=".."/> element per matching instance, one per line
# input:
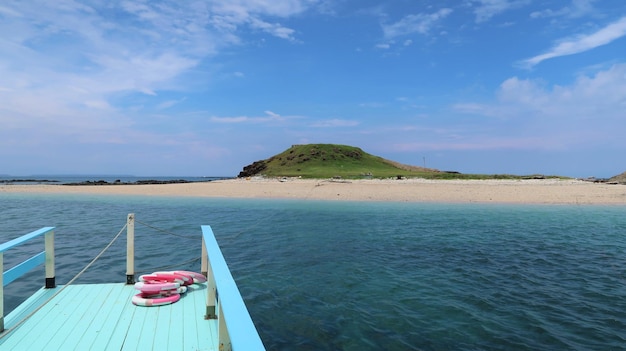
<point x="49" y="247"/>
<point x="130" y="249"/>
<point x="223" y="339"/>
<point x="211" y="287"/>
<point x="204" y="260"/>
<point x="1" y="291"/>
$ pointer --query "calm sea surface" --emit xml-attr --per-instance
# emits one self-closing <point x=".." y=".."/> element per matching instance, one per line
<point x="320" y="275"/>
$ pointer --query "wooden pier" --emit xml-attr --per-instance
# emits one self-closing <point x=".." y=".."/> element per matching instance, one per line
<point x="101" y="316"/>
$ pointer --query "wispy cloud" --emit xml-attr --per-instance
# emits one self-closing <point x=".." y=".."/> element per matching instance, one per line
<point x="559" y="114"/>
<point x="420" y="23"/>
<point x="169" y="103"/>
<point x="582" y="43"/>
<point x="269" y="117"/>
<point x="335" y="123"/>
<point x="486" y="9"/>
<point x="274" y="29"/>
<point x="126" y="49"/>
<point x="578" y="8"/>
<point x="230" y="15"/>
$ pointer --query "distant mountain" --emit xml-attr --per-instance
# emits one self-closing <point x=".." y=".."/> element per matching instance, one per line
<point x="331" y="160"/>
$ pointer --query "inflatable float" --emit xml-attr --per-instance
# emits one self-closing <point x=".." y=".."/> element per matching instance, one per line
<point x="164" y="288"/>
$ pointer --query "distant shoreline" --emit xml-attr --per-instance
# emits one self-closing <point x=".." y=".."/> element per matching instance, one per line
<point x="535" y="191"/>
<point x="105" y="180"/>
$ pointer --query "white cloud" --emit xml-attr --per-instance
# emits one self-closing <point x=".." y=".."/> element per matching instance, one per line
<point x="9" y="12"/>
<point x="71" y="57"/>
<point x="588" y="111"/>
<point x="418" y="23"/>
<point x="606" y="90"/>
<point x="230" y="15"/>
<point x="578" y="8"/>
<point x="270" y="117"/>
<point x="169" y="103"/>
<point x="485" y="9"/>
<point x="582" y="43"/>
<point x="246" y="8"/>
<point x="335" y="123"/>
<point x="274" y="29"/>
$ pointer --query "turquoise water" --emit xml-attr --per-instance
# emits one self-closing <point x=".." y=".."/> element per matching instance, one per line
<point x="322" y="275"/>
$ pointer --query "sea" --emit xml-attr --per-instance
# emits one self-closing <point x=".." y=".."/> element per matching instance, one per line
<point x="336" y="275"/>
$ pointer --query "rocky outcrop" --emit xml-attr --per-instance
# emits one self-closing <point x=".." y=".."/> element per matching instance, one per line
<point x="620" y="178"/>
<point x="253" y="169"/>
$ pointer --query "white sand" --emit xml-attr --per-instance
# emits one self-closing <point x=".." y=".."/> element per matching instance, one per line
<point x="549" y="191"/>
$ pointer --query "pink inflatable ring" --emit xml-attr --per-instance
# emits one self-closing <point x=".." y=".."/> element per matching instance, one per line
<point x="197" y="277"/>
<point x="156" y="288"/>
<point x="148" y="301"/>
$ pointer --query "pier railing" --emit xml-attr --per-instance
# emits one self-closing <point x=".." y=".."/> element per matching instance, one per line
<point x="46" y="256"/>
<point x="236" y="331"/>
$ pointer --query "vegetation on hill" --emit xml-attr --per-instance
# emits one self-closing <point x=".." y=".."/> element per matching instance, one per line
<point x="331" y="160"/>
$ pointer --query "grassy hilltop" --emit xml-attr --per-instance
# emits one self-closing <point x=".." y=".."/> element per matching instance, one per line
<point x="331" y="160"/>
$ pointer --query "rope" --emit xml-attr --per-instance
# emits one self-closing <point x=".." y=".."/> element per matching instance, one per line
<point x="165" y="231"/>
<point x="7" y="331"/>
<point x="167" y="268"/>
<point x="235" y="235"/>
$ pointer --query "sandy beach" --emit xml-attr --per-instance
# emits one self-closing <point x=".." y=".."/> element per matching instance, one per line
<point x="540" y="191"/>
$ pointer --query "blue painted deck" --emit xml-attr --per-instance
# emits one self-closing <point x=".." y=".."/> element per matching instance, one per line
<point x="102" y="317"/>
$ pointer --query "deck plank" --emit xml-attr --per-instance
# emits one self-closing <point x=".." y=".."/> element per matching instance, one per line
<point x="105" y="321"/>
<point x="83" y="319"/>
<point x="207" y="329"/>
<point x="48" y="322"/>
<point x="66" y="309"/>
<point x="102" y="317"/>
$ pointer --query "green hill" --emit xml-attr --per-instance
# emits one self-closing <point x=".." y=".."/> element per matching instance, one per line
<point x="330" y="160"/>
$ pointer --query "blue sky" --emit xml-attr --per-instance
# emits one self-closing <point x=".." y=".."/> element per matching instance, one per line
<point x="206" y="87"/>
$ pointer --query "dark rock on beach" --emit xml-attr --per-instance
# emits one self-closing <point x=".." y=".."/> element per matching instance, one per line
<point x="139" y="182"/>
<point x="619" y="179"/>
<point x="9" y="181"/>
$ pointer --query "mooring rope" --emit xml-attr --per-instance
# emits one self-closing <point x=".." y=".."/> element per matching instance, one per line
<point x="7" y="331"/>
<point x="165" y="231"/>
<point x="166" y="268"/>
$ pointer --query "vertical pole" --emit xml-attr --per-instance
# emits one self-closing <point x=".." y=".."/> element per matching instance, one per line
<point x="223" y="339"/>
<point x="1" y="291"/>
<point x="211" y="288"/>
<point x="130" y="249"/>
<point x="49" y="248"/>
<point x="204" y="260"/>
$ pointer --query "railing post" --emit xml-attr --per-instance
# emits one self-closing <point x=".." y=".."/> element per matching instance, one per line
<point x="1" y="291"/>
<point x="204" y="260"/>
<point x="223" y="339"/>
<point x="130" y="249"/>
<point x="49" y="248"/>
<point x="211" y="287"/>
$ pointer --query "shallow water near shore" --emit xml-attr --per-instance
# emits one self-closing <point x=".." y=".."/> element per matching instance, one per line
<point x="324" y="275"/>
